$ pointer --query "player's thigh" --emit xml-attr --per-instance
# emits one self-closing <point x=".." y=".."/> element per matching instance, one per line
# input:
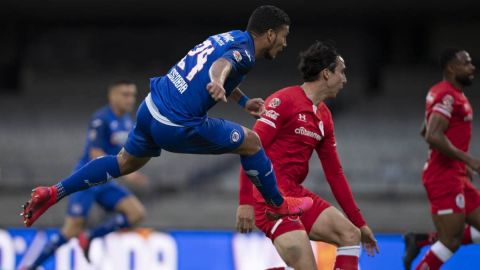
<point x="450" y="228"/>
<point x="333" y="227"/>
<point x="295" y="249"/>
<point x="73" y="226"/>
<point x="213" y="136"/>
<point x="140" y="144"/>
<point x="472" y="204"/>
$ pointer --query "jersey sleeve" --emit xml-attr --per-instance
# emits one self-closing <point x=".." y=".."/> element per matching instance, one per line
<point x="98" y="133"/>
<point x="443" y="104"/>
<point x="240" y="57"/>
<point x="267" y="128"/>
<point x="327" y="152"/>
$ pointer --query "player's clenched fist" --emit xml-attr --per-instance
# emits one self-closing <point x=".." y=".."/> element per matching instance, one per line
<point x="255" y="106"/>
<point x="216" y="91"/>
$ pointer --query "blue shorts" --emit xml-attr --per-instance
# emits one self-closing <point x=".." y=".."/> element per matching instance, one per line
<point x="107" y="196"/>
<point x="213" y="136"/>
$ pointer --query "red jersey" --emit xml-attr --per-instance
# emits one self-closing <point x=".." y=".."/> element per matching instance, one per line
<point x="450" y="102"/>
<point x="290" y="130"/>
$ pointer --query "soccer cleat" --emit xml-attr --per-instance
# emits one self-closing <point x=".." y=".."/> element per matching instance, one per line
<point x="291" y="206"/>
<point x="411" y="248"/>
<point x="84" y="243"/>
<point x="42" y="198"/>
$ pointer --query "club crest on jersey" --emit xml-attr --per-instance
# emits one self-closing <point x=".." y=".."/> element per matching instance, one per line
<point x="237" y="55"/>
<point x="274" y="103"/>
<point x="460" y="201"/>
<point x="302" y="117"/>
<point x="234" y="136"/>
<point x="448" y="101"/>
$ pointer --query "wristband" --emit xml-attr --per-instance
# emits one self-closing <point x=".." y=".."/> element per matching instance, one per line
<point x="243" y="101"/>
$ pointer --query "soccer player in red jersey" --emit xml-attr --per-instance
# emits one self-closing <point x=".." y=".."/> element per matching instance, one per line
<point x="296" y="123"/>
<point x="454" y="201"/>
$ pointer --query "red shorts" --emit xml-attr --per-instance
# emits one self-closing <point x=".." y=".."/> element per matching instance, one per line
<point x="462" y="197"/>
<point x="275" y="228"/>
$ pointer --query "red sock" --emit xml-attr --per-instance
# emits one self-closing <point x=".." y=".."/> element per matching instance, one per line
<point x="429" y="240"/>
<point x="467" y="236"/>
<point x="429" y="262"/>
<point x="344" y="262"/>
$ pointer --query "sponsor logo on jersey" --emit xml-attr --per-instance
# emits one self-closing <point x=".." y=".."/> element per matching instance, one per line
<point x="119" y="138"/>
<point x="237" y="55"/>
<point x="303" y="131"/>
<point x="272" y="114"/>
<point x="448" y="102"/>
<point x="274" y="103"/>
<point x="235" y="136"/>
<point x="460" y="201"/>
<point x="302" y="117"/>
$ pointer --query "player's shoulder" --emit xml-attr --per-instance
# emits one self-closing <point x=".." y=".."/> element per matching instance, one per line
<point x="441" y="88"/>
<point x="230" y="38"/>
<point x="285" y="96"/>
<point x="103" y="114"/>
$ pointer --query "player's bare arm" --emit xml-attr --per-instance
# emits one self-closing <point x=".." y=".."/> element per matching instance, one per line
<point x="218" y="74"/>
<point x="436" y="138"/>
<point x="254" y="106"/>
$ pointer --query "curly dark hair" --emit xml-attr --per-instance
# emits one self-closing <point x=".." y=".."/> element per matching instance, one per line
<point x="448" y="55"/>
<point x="267" y="17"/>
<point x="318" y="56"/>
<point x="116" y="83"/>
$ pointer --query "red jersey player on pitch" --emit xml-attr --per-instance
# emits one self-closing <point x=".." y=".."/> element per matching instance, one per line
<point x="297" y="122"/>
<point x="454" y="201"/>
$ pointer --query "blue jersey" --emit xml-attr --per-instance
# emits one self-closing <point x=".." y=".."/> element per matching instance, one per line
<point x="181" y="95"/>
<point x="107" y="132"/>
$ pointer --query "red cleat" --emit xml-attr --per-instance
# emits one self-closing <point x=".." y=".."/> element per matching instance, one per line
<point x="290" y="207"/>
<point x="84" y="243"/>
<point x="42" y="199"/>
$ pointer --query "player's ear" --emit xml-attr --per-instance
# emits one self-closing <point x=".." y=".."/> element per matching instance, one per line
<point x="271" y="34"/>
<point x="325" y="74"/>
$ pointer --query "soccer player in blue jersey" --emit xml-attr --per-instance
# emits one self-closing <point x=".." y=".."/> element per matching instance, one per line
<point x="106" y="135"/>
<point x="174" y="116"/>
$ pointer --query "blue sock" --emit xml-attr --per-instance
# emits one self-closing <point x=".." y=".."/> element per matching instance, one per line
<point x="55" y="242"/>
<point x="96" y="172"/>
<point x="260" y="171"/>
<point x="118" y="221"/>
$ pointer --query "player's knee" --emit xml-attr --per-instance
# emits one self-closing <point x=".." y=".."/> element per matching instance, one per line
<point x="350" y="236"/>
<point x="136" y="215"/>
<point x="293" y="255"/>
<point x="253" y="143"/>
<point x="452" y="243"/>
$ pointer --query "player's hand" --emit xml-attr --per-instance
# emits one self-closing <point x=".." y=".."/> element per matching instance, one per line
<point x="369" y="242"/>
<point x="474" y="164"/>
<point x="245" y="218"/>
<point x="471" y="173"/>
<point x="255" y="107"/>
<point x="216" y="91"/>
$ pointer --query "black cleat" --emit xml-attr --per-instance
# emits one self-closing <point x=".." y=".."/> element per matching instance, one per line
<point x="411" y="247"/>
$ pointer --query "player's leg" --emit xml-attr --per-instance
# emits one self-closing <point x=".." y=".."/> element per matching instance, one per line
<point x="450" y="229"/>
<point x="136" y="153"/>
<point x="129" y="211"/>
<point x="79" y="205"/>
<point x="472" y="209"/>
<point x="288" y="236"/>
<point x="333" y="227"/>
<point x="258" y="167"/>
<point x="295" y="249"/>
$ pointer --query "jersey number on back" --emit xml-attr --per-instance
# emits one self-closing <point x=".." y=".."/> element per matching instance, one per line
<point x="201" y="51"/>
